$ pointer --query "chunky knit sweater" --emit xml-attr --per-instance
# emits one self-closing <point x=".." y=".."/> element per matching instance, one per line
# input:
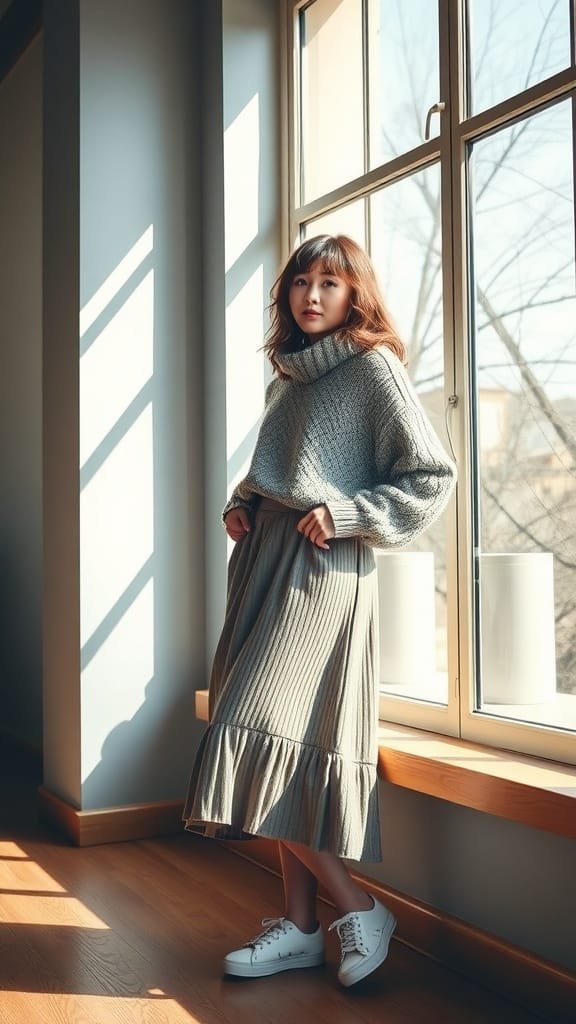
<point x="344" y="428"/>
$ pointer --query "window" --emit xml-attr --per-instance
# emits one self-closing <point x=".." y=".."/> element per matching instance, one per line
<point x="440" y="135"/>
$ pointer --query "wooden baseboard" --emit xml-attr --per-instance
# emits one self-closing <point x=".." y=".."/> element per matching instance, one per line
<point x="538" y="985"/>
<point x="113" y="824"/>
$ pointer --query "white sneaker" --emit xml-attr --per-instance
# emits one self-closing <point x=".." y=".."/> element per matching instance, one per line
<point x="281" y="946"/>
<point x="365" y="937"/>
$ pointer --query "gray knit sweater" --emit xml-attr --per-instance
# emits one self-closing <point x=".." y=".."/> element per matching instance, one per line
<point x="346" y="430"/>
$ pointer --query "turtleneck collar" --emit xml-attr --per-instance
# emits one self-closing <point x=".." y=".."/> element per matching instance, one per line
<point x="317" y="359"/>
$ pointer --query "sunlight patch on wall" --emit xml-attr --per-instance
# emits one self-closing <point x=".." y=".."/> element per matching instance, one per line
<point x="117" y="676"/>
<point x="244" y="363"/>
<point x="116" y="367"/>
<point x="116" y="499"/>
<point x="241" y="181"/>
<point x="116" y="280"/>
<point x="117" y="517"/>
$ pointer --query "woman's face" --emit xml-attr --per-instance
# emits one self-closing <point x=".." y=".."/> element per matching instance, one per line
<point x="319" y="302"/>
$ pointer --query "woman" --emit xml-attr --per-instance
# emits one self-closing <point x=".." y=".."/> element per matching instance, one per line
<point x="346" y="460"/>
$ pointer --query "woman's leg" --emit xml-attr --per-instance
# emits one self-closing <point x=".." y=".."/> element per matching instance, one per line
<point x="287" y="943"/>
<point x="300" y="890"/>
<point x="365" y="926"/>
<point x="332" y="873"/>
<point x="297" y="940"/>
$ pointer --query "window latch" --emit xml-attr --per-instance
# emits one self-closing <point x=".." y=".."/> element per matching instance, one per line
<point x="436" y="108"/>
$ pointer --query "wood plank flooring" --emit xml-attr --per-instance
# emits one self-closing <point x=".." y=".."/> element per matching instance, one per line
<point x="134" y="933"/>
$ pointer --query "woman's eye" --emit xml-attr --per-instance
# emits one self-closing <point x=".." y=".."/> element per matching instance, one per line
<point x="298" y="281"/>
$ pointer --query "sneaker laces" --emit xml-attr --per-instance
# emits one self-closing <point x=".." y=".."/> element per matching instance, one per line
<point x="273" y="927"/>
<point x="349" y="930"/>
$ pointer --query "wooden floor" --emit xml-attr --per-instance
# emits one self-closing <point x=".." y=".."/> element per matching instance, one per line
<point x="136" y="932"/>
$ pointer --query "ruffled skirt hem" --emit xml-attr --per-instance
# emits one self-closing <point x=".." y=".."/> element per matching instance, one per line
<point x="280" y="788"/>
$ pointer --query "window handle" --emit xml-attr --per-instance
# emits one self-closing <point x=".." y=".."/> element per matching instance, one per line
<point x="436" y="108"/>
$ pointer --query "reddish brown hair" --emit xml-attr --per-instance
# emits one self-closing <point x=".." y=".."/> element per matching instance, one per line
<point x="369" y="323"/>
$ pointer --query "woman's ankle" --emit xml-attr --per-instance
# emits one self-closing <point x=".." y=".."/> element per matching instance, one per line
<point x="307" y="923"/>
<point x="358" y="901"/>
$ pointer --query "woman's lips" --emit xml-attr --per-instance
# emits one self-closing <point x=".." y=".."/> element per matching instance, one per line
<point x="310" y="313"/>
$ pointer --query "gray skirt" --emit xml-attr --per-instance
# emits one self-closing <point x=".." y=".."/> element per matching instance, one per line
<point x="291" y="748"/>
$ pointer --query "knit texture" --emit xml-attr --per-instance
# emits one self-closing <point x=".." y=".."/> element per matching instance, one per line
<point x="291" y="749"/>
<point x="347" y="430"/>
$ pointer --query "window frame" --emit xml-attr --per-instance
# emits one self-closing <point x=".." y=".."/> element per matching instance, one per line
<point x="459" y="716"/>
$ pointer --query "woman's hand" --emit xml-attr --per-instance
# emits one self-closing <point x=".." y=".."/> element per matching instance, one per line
<point x="237" y="523"/>
<point x="318" y="526"/>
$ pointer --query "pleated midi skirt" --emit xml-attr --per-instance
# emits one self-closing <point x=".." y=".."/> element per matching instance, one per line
<point x="291" y="748"/>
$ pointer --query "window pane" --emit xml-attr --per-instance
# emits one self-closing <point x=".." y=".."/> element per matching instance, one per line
<point x="525" y="420"/>
<point x="513" y="45"/>
<point x="406" y="249"/>
<point x="346" y="220"/>
<point x="402" y="89"/>
<point x="332" y="95"/>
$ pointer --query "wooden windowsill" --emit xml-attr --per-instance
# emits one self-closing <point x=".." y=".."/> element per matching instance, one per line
<point x="526" y="789"/>
<point x="534" y="792"/>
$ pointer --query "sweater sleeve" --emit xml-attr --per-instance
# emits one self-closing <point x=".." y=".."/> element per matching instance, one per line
<point x="237" y="501"/>
<point x="415" y="478"/>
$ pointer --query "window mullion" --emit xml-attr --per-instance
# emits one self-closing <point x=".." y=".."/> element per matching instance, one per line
<point x="455" y="334"/>
<point x="366" y="114"/>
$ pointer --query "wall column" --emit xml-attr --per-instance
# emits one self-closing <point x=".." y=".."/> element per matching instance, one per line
<point x="123" y="401"/>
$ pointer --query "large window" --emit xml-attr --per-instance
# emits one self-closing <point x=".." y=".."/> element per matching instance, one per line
<point x="440" y="135"/>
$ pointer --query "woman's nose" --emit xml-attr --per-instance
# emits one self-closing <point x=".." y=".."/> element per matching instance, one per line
<point x="312" y="294"/>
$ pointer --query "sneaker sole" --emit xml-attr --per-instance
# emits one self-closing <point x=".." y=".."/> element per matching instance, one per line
<point x="263" y="970"/>
<point x="365" y="967"/>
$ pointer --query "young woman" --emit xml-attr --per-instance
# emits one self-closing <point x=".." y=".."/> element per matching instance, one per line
<point x="345" y="461"/>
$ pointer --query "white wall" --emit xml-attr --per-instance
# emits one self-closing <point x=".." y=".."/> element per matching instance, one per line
<point x="241" y="248"/>
<point x="142" y="564"/>
<point x="513" y="881"/>
<point x="20" y="397"/>
<point x="119" y="678"/>
<point x="151" y="110"/>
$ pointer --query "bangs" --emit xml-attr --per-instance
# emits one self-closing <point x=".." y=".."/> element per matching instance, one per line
<point x="325" y="250"/>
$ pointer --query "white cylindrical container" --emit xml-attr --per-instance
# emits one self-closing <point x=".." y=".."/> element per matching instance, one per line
<point x="407" y="617"/>
<point x="518" y="649"/>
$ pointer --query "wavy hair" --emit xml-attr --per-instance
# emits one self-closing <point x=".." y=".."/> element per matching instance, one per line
<point x="368" y="323"/>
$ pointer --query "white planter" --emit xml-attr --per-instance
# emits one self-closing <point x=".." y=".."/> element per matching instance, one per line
<point x="407" y="617"/>
<point x="518" y="652"/>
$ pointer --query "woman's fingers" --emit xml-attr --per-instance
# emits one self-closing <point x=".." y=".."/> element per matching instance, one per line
<point x="317" y="526"/>
<point x="320" y="541"/>
<point x="237" y="523"/>
<point x="244" y="520"/>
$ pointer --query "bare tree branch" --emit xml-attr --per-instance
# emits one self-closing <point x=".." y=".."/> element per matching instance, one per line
<point x="527" y="375"/>
<point x="524" y="530"/>
<point x="536" y="50"/>
<point x="528" y="305"/>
